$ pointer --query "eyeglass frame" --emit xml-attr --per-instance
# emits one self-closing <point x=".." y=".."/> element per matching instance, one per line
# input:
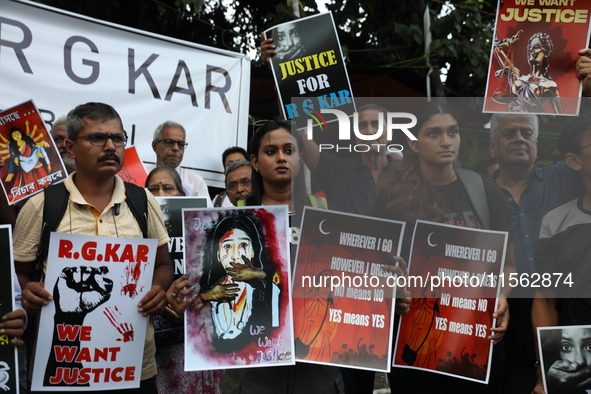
<point x="241" y="183"/>
<point x="108" y="137"/>
<point x="169" y="143"/>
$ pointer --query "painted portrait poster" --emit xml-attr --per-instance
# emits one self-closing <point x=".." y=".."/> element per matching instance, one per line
<point x="535" y="48"/>
<point x="239" y="258"/>
<point x="456" y="272"/>
<point x="342" y="298"/>
<point x="309" y="69"/>
<point x="8" y="355"/>
<point x="565" y="357"/>
<point x="91" y="337"/>
<point x="31" y="160"/>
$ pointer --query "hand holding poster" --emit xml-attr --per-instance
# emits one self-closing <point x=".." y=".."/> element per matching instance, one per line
<point x="565" y="356"/>
<point x="309" y="65"/>
<point x="343" y="299"/>
<point x="32" y="161"/>
<point x="456" y="274"/>
<point x="533" y="56"/>
<point x="242" y="316"/>
<point x="8" y="357"/>
<point x="97" y="334"/>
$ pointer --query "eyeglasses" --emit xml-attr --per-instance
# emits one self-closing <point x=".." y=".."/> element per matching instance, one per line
<point x="170" y="143"/>
<point x="584" y="146"/>
<point x="234" y="185"/>
<point x="100" y="139"/>
<point x="167" y="187"/>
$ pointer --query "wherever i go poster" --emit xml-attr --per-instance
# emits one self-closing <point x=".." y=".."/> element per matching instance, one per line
<point x="343" y="297"/>
<point x="239" y="260"/>
<point x="455" y="275"/>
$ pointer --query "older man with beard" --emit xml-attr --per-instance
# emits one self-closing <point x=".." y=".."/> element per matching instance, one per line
<point x="169" y="144"/>
<point x="58" y="132"/>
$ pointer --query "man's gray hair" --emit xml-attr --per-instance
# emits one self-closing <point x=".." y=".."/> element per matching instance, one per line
<point x="496" y="119"/>
<point x="59" y="121"/>
<point x="236" y="164"/>
<point x="168" y="123"/>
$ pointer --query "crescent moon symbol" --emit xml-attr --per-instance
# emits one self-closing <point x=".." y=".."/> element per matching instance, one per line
<point x="320" y="228"/>
<point x="429" y="241"/>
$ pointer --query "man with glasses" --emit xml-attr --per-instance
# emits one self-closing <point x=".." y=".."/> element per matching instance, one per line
<point x="531" y="192"/>
<point x="98" y="204"/>
<point x="169" y="145"/>
<point x="239" y="180"/>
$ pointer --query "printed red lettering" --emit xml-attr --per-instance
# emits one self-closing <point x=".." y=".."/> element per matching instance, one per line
<point x="67" y="332"/>
<point x="65" y="249"/>
<point x="111" y="252"/>
<point x="89" y="251"/>
<point x="85" y="333"/>
<point x="142" y="254"/>
<point x="65" y="353"/>
<point x="127" y="255"/>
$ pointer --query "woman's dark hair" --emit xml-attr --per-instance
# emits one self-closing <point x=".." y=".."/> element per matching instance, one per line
<point x="213" y="270"/>
<point x="403" y="193"/>
<point x="175" y="175"/>
<point x="298" y="188"/>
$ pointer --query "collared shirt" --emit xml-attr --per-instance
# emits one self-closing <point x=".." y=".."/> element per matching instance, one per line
<point x="347" y="184"/>
<point x="83" y="218"/>
<point x="549" y="188"/>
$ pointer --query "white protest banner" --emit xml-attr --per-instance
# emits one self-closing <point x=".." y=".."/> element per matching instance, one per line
<point x="60" y="60"/>
<point x="91" y="337"/>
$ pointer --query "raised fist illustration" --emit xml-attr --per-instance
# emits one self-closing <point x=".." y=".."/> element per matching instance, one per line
<point x="82" y="289"/>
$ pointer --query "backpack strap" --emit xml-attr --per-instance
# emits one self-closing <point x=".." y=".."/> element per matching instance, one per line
<point x="137" y="200"/>
<point x="317" y="202"/>
<point x="474" y="185"/>
<point x="55" y="203"/>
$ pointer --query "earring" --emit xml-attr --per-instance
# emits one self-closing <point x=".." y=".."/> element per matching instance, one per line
<point x="256" y="169"/>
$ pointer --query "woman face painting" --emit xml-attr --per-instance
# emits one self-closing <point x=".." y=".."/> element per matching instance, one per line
<point x="233" y="246"/>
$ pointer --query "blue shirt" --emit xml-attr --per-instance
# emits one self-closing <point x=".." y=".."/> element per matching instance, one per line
<point x="549" y="188"/>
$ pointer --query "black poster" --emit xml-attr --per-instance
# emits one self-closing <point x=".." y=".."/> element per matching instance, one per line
<point x="8" y="360"/>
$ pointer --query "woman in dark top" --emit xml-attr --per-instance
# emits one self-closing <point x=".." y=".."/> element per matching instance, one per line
<point x="277" y="180"/>
<point x="425" y="186"/>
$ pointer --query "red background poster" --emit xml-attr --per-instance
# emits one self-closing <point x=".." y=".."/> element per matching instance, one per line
<point x="349" y="324"/>
<point x="568" y="29"/>
<point x="447" y="326"/>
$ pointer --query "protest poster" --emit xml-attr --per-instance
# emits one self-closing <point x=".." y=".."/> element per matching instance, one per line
<point x="239" y="260"/>
<point x="342" y="298"/>
<point x="133" y="170"/>
<point x="565" y="357"/>
<point x="309" y="65"/>
<point x="455" y="274"/>
<point x="32" y="161"/>
<point x="97" y="334"/>
<point x="172" y="213"/>
<point x="8" y="356"/>
<point x="532" y="63"/>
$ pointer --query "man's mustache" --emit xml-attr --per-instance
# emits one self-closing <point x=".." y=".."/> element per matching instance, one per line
<point x="109" y="156"/>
